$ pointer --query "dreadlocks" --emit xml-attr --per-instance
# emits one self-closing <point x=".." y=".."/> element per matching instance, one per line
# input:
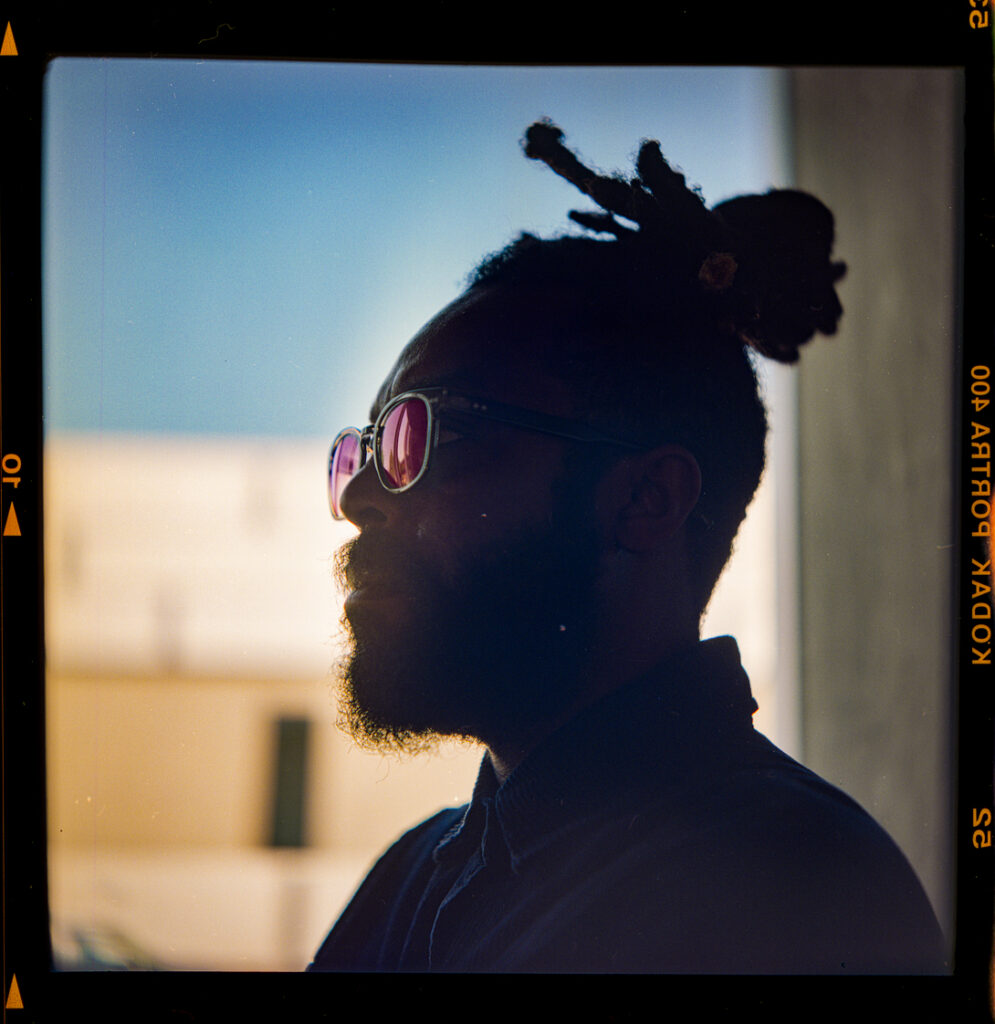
<point x="657" y="326"/>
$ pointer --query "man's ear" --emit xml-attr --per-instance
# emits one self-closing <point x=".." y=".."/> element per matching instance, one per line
<point x="665" y="485"/>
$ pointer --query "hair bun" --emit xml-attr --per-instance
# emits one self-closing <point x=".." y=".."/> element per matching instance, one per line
<point x="783" y="290"/>
<point x="761" y="262"/>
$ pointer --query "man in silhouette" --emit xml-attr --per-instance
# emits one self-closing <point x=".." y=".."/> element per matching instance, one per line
<point x="556" y="467"/>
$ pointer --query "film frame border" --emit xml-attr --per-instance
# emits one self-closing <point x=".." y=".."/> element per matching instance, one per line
<point x="955" y="36"/>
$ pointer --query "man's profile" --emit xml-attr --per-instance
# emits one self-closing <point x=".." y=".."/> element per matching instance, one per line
<point x="555" y="472"/>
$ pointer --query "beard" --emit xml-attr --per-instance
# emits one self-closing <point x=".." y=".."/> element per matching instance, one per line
<point x="492" y="654"/>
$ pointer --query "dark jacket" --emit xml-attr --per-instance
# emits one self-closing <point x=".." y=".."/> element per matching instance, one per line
<point x="656" y="832"/>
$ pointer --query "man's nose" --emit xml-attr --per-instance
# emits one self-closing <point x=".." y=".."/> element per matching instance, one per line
<point x="364" y="498"/>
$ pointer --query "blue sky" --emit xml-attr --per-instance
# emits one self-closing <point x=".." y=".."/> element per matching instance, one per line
<point x="244" y="247"/>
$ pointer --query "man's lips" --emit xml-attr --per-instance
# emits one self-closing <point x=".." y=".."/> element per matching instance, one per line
<point x="374" y="574"/>
<point x="373" y="592"/>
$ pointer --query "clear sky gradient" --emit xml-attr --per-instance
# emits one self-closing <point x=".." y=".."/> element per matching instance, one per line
<point x="244" y="247"/>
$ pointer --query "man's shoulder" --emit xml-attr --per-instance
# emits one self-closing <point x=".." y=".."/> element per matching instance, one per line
<point x="430" y="829"/>
<point x="769" y="792"/>
<point x="793" y="873"/>
<point x="415" y="846"/>
<point x="390" y="889"/>
<point x="775" y="817"/>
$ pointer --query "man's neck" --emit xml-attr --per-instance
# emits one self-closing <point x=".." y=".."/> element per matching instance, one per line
<point x="507" y="753"/>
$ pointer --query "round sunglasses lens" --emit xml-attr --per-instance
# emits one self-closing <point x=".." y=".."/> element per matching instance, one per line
<point x="404" y="443"/>
<point x="342" y="467"/>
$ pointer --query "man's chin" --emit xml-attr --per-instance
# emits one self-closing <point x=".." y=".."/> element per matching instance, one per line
<point x="491" y="658"/>
<point x="378" y="719"/>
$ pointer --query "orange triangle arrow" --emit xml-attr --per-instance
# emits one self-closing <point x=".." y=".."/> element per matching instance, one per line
<point x="14" y="996"/>
<point x="9" y="47"/>
<point x="12" y="528"/>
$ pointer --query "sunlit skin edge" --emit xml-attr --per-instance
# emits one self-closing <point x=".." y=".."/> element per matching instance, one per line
<point x="640" y="504"/>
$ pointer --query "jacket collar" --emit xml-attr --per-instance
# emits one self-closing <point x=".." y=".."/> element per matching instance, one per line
<point x="690" y="710"/>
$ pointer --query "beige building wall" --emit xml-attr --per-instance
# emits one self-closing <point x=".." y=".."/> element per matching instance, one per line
<point x="189" y="607"/>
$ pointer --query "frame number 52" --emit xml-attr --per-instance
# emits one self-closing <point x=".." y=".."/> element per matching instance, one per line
<point x="982" y="836"/>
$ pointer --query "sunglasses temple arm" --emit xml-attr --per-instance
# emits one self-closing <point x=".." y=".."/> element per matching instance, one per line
<point x="557" y="428"/>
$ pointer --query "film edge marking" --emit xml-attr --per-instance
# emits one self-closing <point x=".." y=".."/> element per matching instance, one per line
<point x="14" y="1001"/>
<point x="9" y="47"/>
<point x="12" y="528"/>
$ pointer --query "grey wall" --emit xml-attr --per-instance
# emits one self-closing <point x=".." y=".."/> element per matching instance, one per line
<point x="880" y="147"/>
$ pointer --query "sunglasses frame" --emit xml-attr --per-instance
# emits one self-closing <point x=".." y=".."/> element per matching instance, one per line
<point x="442" y="399"/>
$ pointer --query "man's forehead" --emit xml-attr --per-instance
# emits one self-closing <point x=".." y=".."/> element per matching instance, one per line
<point x="473" y="345"/>
<point x="420" y="366"/>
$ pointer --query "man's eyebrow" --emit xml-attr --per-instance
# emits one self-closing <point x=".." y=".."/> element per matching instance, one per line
<point x="383" y="396"/>
<point x="457" y="381"/>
